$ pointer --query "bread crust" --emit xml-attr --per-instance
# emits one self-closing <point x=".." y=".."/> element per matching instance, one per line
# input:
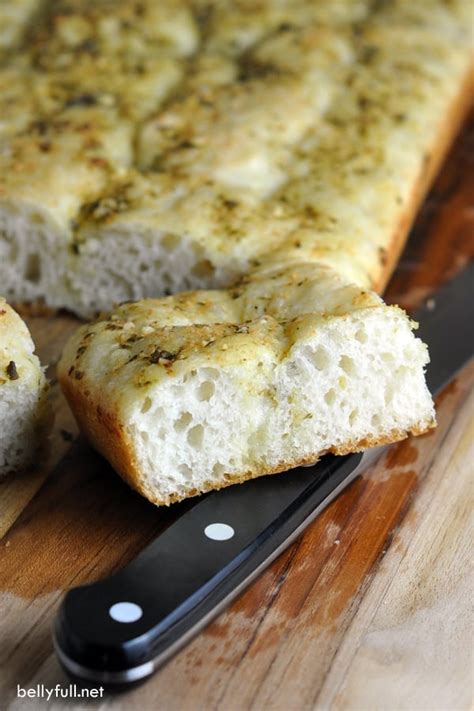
<point x="103" y="429"/>
<point x="449" y="127"/>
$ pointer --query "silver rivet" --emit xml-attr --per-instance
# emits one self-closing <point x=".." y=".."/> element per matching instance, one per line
<point x="125" y="612"/>
<point x="219" y="531"/>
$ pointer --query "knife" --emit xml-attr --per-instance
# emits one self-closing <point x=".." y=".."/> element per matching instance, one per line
<point x="119" y="630"/>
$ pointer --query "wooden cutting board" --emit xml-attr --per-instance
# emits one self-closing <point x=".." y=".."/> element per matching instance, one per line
<point x="369" y="609"/>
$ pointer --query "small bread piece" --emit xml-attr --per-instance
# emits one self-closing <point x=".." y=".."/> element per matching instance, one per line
<point x="203" y="389"/>
<point x="25" y="415"/>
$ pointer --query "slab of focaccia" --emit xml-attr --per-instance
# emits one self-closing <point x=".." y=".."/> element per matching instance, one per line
<point x="200" y="390"/>
<point x="152" y="147"/>
<point x="24" y="412"/>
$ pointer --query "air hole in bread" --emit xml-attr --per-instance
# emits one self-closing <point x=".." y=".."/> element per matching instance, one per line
<point x="167" y="280"/>
<point x="375" y="421"/>
<point x="36" y="218"/>
<point x="144" y="267"/>
<point x="206" y="390"/>
<point x="144" y="436"/>
<point x="203" y="269"/>
<point x="195" y="436"/>
<point x="353" y="416"/>
<point x="218" y="469"/>
<point x="347" y="364"/>
<point x="170" y="242"/>
<point x="321" y="358"/>
<point x="185" y="470"/>
<point x="33" y="268"/>
<point x="330" y="396"/>
<point x="147" y="403"/>
<point x="342" y="382"/>
<point x="183" y="421"/>
<point x="387" y="357"/>
<point x="361" y="336"/>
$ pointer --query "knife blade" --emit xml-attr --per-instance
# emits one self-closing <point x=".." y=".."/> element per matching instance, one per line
<point x="446" y="324"/>
<point x="119" y="630"/>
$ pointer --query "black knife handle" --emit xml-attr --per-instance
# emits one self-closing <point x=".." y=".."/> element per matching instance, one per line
<point x="118" y="630"/>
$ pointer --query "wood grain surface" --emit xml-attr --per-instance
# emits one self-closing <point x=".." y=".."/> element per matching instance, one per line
<point x="369" y="609"/>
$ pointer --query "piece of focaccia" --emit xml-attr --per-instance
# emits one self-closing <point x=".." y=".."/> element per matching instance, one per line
<point x="154" y="147"/>
<point x="25" y="415"/>
<point x="204" y="389"/>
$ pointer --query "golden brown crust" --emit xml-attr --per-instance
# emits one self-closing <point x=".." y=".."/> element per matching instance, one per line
<point x="450" y="125"/>
<point x="102" y="427"/>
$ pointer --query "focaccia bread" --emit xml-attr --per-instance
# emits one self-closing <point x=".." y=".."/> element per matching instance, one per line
<point x="152" y="147"/>
<point x="203" y="389"/>
<point x="25" y="415"/>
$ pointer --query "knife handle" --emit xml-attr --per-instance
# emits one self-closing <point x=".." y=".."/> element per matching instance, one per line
<point x="120" y="629"/>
